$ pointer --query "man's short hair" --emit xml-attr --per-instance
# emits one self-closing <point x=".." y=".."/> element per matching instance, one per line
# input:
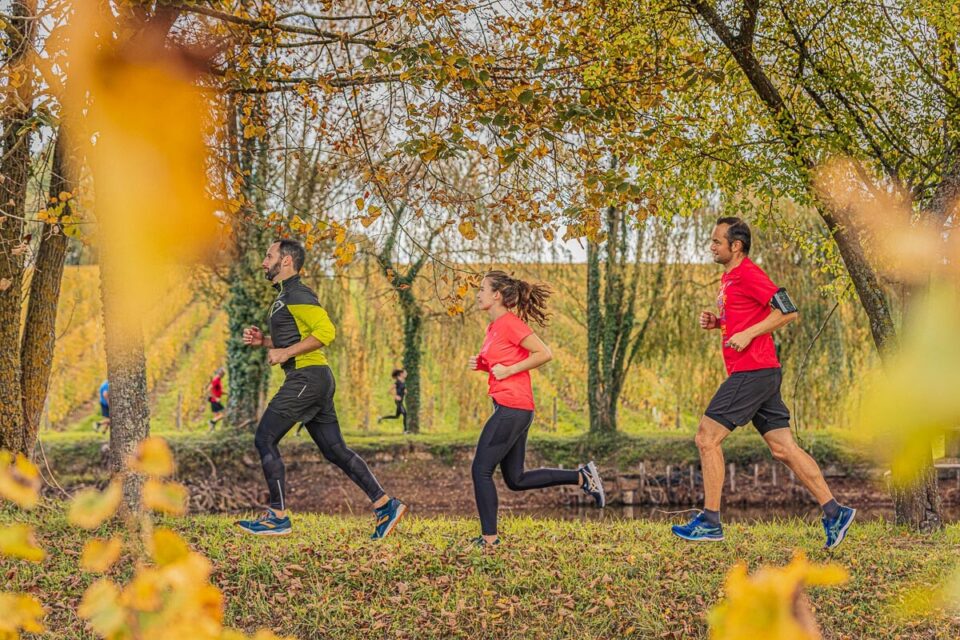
<point x="396" y="372"/>
<point x="293" y="249"/>
<point x="738" y="230"/>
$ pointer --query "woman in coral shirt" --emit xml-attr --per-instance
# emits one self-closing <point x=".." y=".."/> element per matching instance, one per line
<point x="510" y="350"/>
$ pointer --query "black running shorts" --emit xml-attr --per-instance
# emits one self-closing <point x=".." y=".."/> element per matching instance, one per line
<point x="750" y="396"/>
<point x="306" y="394"/>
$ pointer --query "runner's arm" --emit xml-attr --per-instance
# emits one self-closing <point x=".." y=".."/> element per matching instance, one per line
<point x="771" y="323"/>
<point x="776" y="319"/>
<point x="308" y="344"/>
<point x="540" y="354"/>
<point x="279" y="356"/>
<point x="252" y="334"/>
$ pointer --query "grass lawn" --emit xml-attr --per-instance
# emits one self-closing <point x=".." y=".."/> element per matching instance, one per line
<point x="550" y="579"/>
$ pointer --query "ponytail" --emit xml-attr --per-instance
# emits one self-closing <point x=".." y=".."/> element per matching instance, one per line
<point x="529" y="300"/>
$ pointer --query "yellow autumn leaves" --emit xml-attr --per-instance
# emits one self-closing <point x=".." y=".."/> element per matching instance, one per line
<point x="134" y="110"/>
<point x="20" y="613"/>
<point x="89" y="508"/>
<point x="99" y="555"/>
<point x="171" y="599"/>
<point x="19" y="483"/>
<point x="19" y="480"/>
<point x="771" y="603"/>
<point x="169" y="596"/>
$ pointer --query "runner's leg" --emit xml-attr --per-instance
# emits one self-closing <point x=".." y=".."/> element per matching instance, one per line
<point x="518" y="479"/>
<point x="499" y="434"/>
<point x="270" y="431"/>
<point x="330" y="441"/>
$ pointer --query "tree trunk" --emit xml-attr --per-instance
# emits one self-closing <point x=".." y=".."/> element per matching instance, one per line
<point x="598" y="419"/>
<point x="412" y="348"/>
<point x="126" y="371"/>
<point x="15" y="171"/>
<point x="248" y="302"/>
<point x="249" y="296"/>
<point x="39" y="334"/>
<point x="412" y="315"/>
<point x="612" y="342"/>
<point x="916" y="500"/>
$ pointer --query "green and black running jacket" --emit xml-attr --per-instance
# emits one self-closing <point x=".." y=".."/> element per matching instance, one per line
<point x="296" y="314"/>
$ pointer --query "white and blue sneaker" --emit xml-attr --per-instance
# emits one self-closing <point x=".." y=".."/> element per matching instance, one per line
<point x="836" y="528"/>
<point x="267" y="525"/>
<point x="592" y="484"/>
<point x="699" y="530"/>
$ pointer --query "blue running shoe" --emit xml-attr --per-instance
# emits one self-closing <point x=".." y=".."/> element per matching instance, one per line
<point x="387" y="518"/>
<point x="699" y="530"/>
<point x="267" y="525"/>
<point x="592" y="484"/>
<point x="836" y="528"/>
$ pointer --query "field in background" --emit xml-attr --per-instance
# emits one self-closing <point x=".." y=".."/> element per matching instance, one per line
<point x="675" y="374"/>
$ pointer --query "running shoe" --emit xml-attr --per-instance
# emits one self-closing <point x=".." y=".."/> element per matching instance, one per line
<point x="387" y="518"/>
<point x="836" y="528"/>
<point x="480" y="541"/>
<point x="592" y="484"/>
<point x="267" y="525"/>
<point x="699" y="530"/>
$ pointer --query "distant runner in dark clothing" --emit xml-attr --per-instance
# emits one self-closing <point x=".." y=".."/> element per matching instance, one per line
<point x="399" y="390"/>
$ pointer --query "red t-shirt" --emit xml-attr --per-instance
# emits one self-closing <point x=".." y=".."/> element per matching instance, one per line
<point x="502" y="346"/>
<point x="743" y="301"/>
<point x="216" y="388"/>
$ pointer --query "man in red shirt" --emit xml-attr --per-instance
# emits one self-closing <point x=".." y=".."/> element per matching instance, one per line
<point x="749" y="308"/>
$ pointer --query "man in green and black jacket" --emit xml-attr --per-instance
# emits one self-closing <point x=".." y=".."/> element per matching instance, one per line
<point x="299" y="329"/>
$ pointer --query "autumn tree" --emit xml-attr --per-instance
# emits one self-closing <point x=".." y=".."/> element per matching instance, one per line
<point x="29" y="106"/>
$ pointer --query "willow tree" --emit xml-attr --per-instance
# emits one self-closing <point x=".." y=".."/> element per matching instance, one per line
<point x="624" y="296"/>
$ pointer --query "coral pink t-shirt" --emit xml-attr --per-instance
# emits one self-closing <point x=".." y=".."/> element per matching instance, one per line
<point x="502" y="346"/>
<point x="743" y="301"/>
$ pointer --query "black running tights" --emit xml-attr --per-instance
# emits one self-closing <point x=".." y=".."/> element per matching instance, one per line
<point x="274" y="426"/>
<point x="504" y="442"/>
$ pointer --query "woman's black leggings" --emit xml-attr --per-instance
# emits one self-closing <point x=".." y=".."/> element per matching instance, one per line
<point x="271" y="430"/>
<point x="504" y="442"/>
<point x="401" y="411"/>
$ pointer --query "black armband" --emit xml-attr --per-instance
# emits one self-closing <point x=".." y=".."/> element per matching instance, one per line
<point x="782" y="302"/>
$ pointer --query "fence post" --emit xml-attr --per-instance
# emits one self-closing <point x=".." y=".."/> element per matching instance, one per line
<point x="669" y="478"/>
<point x="179" y="420"/>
